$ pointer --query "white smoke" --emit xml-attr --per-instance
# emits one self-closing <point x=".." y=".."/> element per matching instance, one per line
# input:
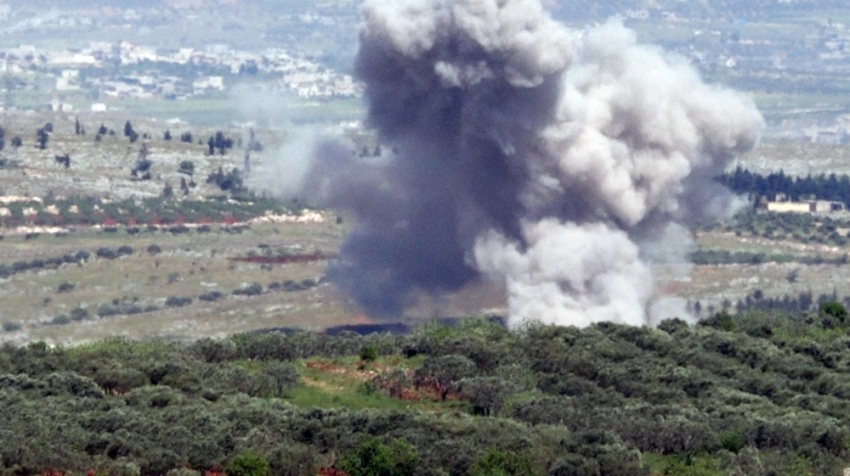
<point x="569" y="273"/>
<point x="555" y="161"/>
<point x="284" y="170"/>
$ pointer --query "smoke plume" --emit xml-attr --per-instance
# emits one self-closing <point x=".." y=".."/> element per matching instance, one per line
<point x="558" y="162"/>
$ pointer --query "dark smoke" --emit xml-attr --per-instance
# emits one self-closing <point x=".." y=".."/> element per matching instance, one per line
<point x="533" y="154"/>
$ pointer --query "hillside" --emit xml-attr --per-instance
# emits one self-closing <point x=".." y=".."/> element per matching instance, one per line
<point x="753" y="395"/>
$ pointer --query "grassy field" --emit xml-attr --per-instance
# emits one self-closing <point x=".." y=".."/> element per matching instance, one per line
<point x="796" y="158"/>
<point x="188" y="266"/>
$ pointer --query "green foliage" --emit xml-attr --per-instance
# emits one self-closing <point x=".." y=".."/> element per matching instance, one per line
<point x="253" y="289"/>
<point x="604" y="400"/>
<point x="732" y="441"/>
<point x="368" y="353"/>
<point x="374" y="458"/>
<point x="487" y="394"/>
<point x="211" y="296"/>
<point x="248" y="464"/>
<point x="722" y="320"/>
<point x="689" y="465"/>
<point x="444" y="371"/>
<point x="187" y="166"/>
<point x="834" y="309"/>
<point x="499" y="463"/>
<point x="60" y="320"/>
<point x="177" y="301"/>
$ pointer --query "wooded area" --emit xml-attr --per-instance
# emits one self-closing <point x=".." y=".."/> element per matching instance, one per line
<point x="823" y="187"/>
<point x="757" y="394"/>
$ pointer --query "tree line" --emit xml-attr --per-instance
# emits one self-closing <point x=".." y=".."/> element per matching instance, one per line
<point x="824" y="187"/>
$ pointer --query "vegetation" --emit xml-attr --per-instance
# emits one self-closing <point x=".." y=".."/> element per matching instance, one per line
<point x="722" y="398"/>
<point x="83" y="210"/>
<point x="823" y="187"/>
<point x="800" y="227"/>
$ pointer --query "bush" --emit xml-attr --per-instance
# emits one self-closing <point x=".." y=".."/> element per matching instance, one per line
<point x="154" y="249"/>
<point x="732" y="441"/>
<point x="722" y="320"/>
<point x="182" y="471"/>
<point x="107" y="253"/>
<point x="373" y="458"/>
<point x="187" y="167"/>
<point x="12" y="326"/>
<point x="61" y="320"/>
<point x="502" y="464"/>
<point x="210" y="296"/>
<point x="19" y="266"/>
<point x="252" y="290"/>
<point x="292" y="286"/>
<point x="125" y="250"/>
<point x="174" y="301"/>
<point x="368" y="353"/>
<point x="78" y="314"/>
<point x="65" y="287"/>
<point x="248" y="464"/>
<point x="834" y="309"/>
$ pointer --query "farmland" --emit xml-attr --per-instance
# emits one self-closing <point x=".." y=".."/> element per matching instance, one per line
<point x="204" y="261"/>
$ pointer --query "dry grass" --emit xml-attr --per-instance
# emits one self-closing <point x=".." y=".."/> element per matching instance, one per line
<point x="189" y="265"/>
<point x="798" y="159"/>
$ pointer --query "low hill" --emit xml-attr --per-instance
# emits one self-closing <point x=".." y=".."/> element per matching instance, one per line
<point x="752" y="395"/>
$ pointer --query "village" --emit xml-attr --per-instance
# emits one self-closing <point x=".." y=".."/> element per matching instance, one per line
<point x="129" y="71"/>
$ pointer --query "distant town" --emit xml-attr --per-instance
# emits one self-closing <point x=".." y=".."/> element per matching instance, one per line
<point x="92" y="69"/>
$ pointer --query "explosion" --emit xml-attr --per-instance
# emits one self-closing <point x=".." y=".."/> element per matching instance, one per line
<point x="549" y="159"/>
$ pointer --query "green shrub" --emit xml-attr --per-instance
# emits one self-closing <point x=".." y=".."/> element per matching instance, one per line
<point x="183" y="472"/>
<point x="12" y="326"/>
<point x="834" y="309"/>
<point x="107" y="253"/>
<point x="61" y="320"/>
<point x="373" y="458"/>
<point x="732" y="441"/>
<point x="210" y="296"/>
<point x="248" y="464"/>
<point x="499" y="463"/>
<point x="368" y="353"/>
<point x="722" y="320"/>
<point x="187" y="167"/>
<point x="174" y="301"/>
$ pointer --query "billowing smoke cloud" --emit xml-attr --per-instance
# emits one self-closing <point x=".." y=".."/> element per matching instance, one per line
<point x="558" y="162"/>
